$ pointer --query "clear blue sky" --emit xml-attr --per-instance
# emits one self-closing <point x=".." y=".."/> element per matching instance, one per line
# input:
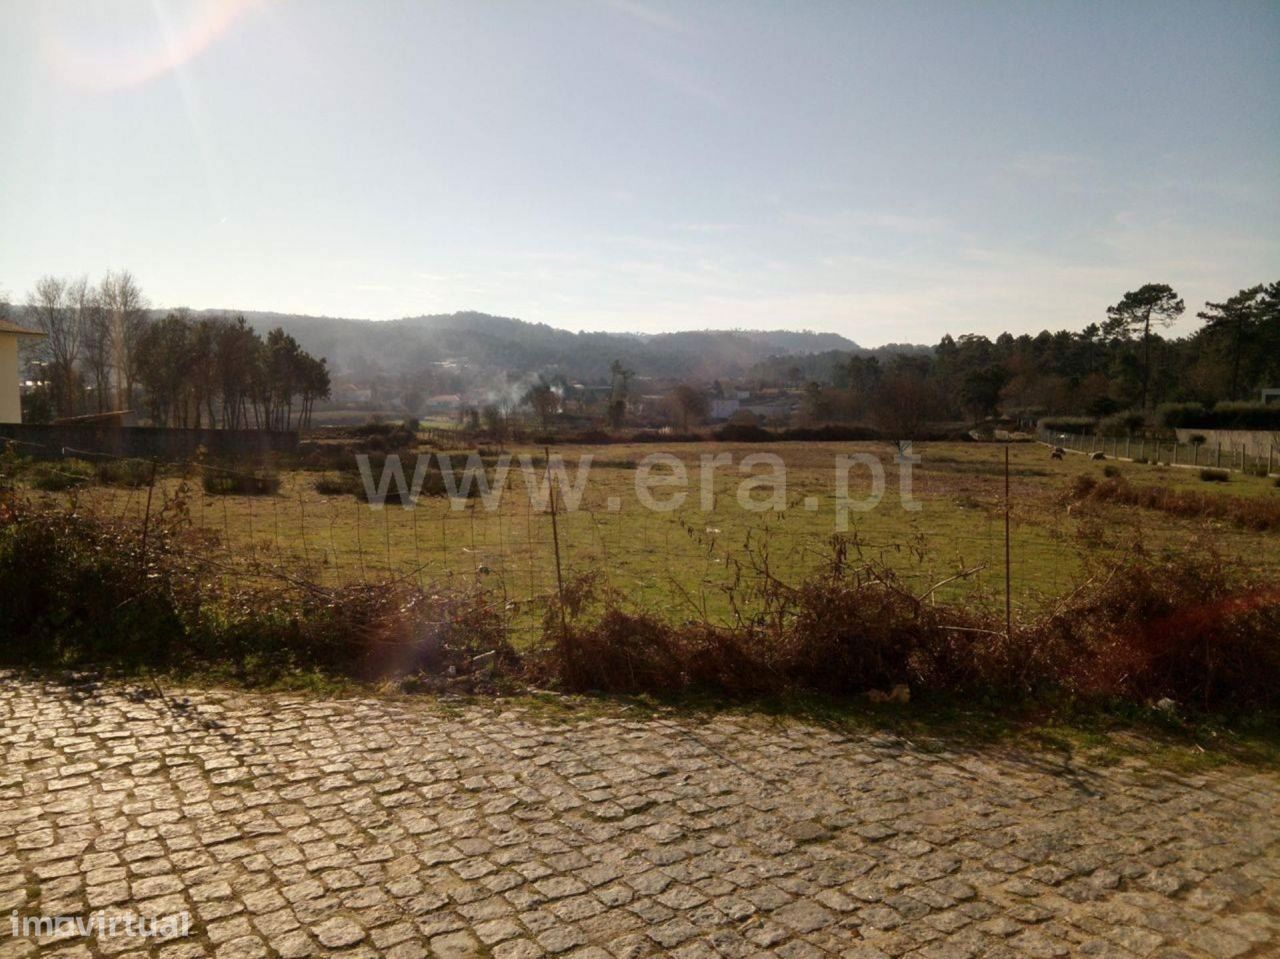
<point x="890" y="171"/>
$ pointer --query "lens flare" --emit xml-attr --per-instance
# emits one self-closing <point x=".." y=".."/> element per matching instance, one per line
<point x="105" y="62"/>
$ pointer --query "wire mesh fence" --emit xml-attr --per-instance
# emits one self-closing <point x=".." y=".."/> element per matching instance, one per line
<point x="1142" y="449"/>
<point x="690" y="562"/>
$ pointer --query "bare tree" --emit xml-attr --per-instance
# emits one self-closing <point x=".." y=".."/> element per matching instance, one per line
<point x="688" y="403"/>
<point x="56" y="306"/>
<point x="543" y="400"/>
<point x="127" y="317"/>
<point x="97" y="351"/>
<point x="82" y="300"/>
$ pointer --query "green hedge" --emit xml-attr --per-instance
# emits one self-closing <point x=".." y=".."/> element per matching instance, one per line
<point x="1122" y="424"/>
<point x="1222" y="416"/>
<point x="1069" y="424"/>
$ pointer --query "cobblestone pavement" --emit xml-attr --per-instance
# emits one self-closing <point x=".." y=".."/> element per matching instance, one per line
<point x="292" y="827"/>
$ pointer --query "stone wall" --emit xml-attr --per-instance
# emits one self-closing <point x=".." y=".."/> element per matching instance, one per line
<point x="144" y="442"/>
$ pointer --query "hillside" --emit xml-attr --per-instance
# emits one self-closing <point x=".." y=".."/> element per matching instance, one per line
<point x="495" y="344"/>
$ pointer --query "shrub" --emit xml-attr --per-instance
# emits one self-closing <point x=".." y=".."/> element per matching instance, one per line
<point x="851" y="634"/>
<point x="1082" y="486"/>
<point x="1183" y="626"/>
<point x="75" y="590"/>
<point x="1069" y="424"/>
<point x="81" y="591"/>
<point x="832" y="432"/>
<point x="128" y="472"/>
<point x="1246" y="416"/>
<point x="1175" y="415"/>
<point x="620" y="652"/>
<point x="1214" y="476"/>
<point x="1122" y="424"/>
<point x="373" y="428"/>
<point x="587" y="436"/>
<point x="348" y="481"/>
<point x="59" y="476"/>
<point x="341" y="484"/>
<point x="366" y="631"/>
<point x="325" y="456"/>
<point x="661" y="436"/>
<point x="838" y="634"/>
<point x="221" y="482"/>
<point x="744" y="433"/>
<point x="1223" y="416"/>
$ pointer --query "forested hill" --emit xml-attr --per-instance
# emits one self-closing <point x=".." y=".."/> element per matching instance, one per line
<point x="502" y="344"/>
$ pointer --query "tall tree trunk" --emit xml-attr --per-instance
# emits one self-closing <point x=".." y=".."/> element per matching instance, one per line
<point x="1235" y="362"/>
<point x="1146" y="357"/>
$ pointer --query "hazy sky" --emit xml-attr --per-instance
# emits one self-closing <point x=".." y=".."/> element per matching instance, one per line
<point x="888" y="170"/>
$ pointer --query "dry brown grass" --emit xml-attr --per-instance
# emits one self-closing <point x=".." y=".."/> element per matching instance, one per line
<point x="1252" y="513"/>
<point x="82" y="590"/>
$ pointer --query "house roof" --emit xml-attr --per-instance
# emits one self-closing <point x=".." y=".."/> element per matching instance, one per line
<point x="7" y="327"/>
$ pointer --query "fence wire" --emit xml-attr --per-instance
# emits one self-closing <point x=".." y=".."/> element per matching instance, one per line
<point x="686" y="563"/>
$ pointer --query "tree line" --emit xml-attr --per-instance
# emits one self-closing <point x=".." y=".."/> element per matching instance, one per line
<point x="103" y="351"/>
<point x="1120" y="363"/>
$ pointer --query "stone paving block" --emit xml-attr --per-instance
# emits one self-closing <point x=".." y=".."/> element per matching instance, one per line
<point x="289" y="827"/>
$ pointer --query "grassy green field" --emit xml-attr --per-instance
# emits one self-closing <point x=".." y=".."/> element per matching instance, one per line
<point x="684" y="562"/>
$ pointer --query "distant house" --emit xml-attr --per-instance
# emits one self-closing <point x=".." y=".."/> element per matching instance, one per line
<point x="723" y="408"/>
<point x="350" y="393"/>
<point x="1271" y="396"/>
<point x="10" y="391"/>
<point x="444" y="403"/>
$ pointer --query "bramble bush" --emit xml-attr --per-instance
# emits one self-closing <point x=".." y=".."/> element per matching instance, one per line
<point x="78" y="590"/>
